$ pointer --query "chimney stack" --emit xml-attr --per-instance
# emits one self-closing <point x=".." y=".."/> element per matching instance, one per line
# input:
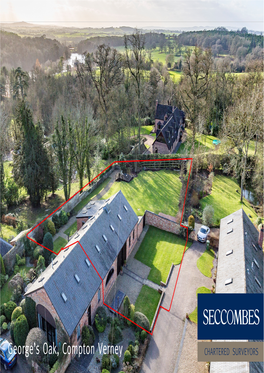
<point x="261" y="234"/>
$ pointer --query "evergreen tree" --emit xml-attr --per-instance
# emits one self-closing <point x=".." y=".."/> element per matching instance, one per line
<point x="2" y="265"/>
<point x="48" y="243"/>
<point x="31" y="161"/>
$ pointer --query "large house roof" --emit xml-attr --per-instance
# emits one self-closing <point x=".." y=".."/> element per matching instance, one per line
<point x="241" y="260"/>
<point x="162" y="110"/>
<point x="169" y="129"/>
<point x="4" y="247"/>
<point x="60" y="278"/>
<point x="90" y="209"/>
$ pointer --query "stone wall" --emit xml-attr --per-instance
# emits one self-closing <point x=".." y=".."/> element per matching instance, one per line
<point x="162" y="223"/>
<point x="10" y="257"/>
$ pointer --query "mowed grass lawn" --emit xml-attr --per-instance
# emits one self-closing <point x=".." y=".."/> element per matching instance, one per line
<point x="157" y="191"/>
<point x="158" y="250"/>
<point x="205" y="263"/>
<point x="201" y="290"/>
<point x="72" y="229"/>
<point x="147" y="302"/>
<point x="58" y="244"/>
<point x="225" y="200"/>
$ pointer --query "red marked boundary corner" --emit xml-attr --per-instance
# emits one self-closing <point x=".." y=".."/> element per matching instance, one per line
<point x="116" y="162"/>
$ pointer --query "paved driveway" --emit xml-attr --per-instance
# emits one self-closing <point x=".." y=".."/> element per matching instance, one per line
<point x="164" y="346"/>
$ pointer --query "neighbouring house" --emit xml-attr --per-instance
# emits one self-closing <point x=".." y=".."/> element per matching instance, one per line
<point x="239" y="270"/>
<point x="4" y="247"/>
<point x="169" y="127"/>
<point x="69" y="291"/>
<point x="88" y="211"/>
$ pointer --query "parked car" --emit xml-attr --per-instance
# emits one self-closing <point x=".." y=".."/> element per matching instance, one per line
<point x="203" y="233"/>
<point x="7" y="354"/>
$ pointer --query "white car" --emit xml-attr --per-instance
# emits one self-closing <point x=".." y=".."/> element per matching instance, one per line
<point x="203" y="233"/>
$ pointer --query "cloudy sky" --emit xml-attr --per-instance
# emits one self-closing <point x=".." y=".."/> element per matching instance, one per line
<point x="137" y="13"/>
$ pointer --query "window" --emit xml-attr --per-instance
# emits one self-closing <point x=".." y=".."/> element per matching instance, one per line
<point x="110" y="274"/>
<point x="125" y="208"/>
<point x="229" y="252"/>
<point x="229" y="281"/>
<point x="119" y="217"/>
<point x="129" y="241"/>
<point x="99" y="295"/>
<point x="104" y="237"/>
<point x="256" y="263"/>
<point x="257" y="281"/>
<point x="87" y="262"/>
<point x="64" y="297"/>
<point x="112" y="228"/>
<point x="230" y="231"/>
<point x="83" y="222"/>
<point x="97" y="248"/>
<point x="77" y="278"/>
<point x="229" y="221"/>
<point x="78" y="332"/>
<point x="133" y="234"/>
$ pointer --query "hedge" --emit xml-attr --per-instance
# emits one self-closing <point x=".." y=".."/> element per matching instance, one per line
<point x="21" y="330"/>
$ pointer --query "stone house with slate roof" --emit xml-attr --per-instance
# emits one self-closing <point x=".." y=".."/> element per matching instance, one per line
<point x="69" y="291"/>
<point x="239" y="270"/>
<point x="169" y="126"/>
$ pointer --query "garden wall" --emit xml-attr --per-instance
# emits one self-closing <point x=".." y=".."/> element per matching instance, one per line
<point x="161" y="222"/>
<point x="10" y="257"/>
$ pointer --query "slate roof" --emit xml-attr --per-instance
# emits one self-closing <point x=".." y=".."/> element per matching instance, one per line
<point x="90" y="209"/>
<point x="60" y="278"/>
<point x="170" y="128"/>
<point x="241" y="245"/>
<point x="162" y="110"/>
<point x="4" y="247"/>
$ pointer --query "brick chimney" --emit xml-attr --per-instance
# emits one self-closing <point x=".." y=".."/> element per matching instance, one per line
<point x="261" y="234"/>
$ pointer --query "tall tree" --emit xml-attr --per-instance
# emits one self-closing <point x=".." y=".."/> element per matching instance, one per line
<point x="20" y="84"/>
<point x="243" y="121"/>
<point x="31" y="163"/>
<point x="63" y="145"/>
<point x="135" y="62"/>
<point x="104" y="69"/>
<point x="194" y="86"/>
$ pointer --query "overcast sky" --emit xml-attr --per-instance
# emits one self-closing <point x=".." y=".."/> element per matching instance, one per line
<point x="137" y="13"/>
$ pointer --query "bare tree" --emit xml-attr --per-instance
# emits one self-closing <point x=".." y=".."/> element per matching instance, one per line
<point x="194" y="86"/>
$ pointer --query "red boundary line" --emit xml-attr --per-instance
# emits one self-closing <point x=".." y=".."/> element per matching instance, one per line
<point x="115" y="162"/>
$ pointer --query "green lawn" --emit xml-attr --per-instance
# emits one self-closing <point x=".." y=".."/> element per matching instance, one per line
<point x="202" y="142"/>
<point x="158" y="250"/>
<point x="84" y="202"/>
<point x="147" y="302"/>
<point x="175" y="75"/>
<point x="58" y="244"/>
<point x="225" y="200"/>
<point x="72" y="229"/>
<point x="155" y="191"/>
<point x="193" y="315"/>
<point x="205" y="263"/>
<point x="5" y="292"/>
<point x="7" y="231"/>
<point x="144" y="130"/>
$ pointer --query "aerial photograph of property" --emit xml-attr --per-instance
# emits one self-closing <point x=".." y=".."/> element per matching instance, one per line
<point x="131" y="186"/>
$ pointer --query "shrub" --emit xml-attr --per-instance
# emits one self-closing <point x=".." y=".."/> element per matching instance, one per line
<point x="30" y="312"/>
<point x="20" y="261"/>
<point x="194" y="199"/>
<point x="22" y="304"/>
<point x="127" y="357"/>
<point x="2" y="280"/>
<point x="106" y="362"/>
<point x="50" y="227"/>
<point x="88" y="335"/>
<point x="4" y="326"/>
<point x="132" y="312"/>
<point x="21" y="330"/>
<point x="208" y="215"/>
<point x="2" y="265"/>
<point x="115" y="335"/>
<point x="105" y="371"/>
<point x="56" y="221"/>
<point x="9" y="308"/>
<point x="143" y="335"/>
<point x="258" y="221"/>
<point x="37" y="252"/>
<point x="16" y="269"/>
<point x="114" y="361"/>
<point x="36" y="336"/>
<point x="127" y="307"/>
<point x="2" y="309"/>
<point x="141" y="320"/>
<point x="27" y="246"/>
<point x="100" y="319"/>
<point x="131" y="349"/>
<point x="16" y="296"/>
<point x="63" y="218"/>
<point x="191" y="221"/>
<point x="12" y="325"/>
<point x="40" y="265"/>
<point x="48" y="243"/>
<point x="16" y="313"/>
<point x="2" y="319"/>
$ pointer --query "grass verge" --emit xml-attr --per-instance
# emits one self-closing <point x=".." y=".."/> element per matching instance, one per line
<point x="201" y="290"/>
<point x="72" y="229"/>
<point x="205" y="263"/>
<point x="58" y="244"/>
<point x="147" y="302"/>
<point x="158" y="250"/>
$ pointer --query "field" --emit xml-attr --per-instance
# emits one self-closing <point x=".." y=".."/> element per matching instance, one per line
<point x="225" y="199"/>
<point x="159" y="250"/>
<point x="151" y="191"/>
